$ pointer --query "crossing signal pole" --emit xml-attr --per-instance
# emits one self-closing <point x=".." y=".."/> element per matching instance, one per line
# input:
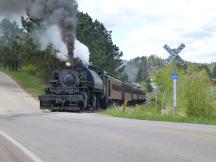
<point x="174" y="56"/>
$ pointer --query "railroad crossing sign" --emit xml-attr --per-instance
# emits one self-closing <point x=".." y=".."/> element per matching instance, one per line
<point x="174" y="55"/>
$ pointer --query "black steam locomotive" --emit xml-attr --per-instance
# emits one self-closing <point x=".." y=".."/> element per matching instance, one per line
<point x="87" y="88"/>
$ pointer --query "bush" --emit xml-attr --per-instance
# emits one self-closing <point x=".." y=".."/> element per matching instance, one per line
<point x="30" y="69"/>
<point x="196" y="94"/>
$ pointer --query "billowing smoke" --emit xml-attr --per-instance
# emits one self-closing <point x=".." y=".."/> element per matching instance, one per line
<point x="81" y="51"/>
<point x="61" y="13"/>
<point x="58" y="23"/>
<point x="53" y="35"/>
<point x="12" y="7"/>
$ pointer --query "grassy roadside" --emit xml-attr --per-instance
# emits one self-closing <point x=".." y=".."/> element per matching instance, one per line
<point x="141" y="113"/>
<point x="27" y="81"/>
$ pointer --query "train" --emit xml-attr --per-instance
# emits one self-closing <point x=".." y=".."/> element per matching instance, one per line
<point x="84" y="88"/>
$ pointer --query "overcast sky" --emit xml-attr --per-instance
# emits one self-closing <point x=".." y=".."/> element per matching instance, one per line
<point x="143" y="27"/>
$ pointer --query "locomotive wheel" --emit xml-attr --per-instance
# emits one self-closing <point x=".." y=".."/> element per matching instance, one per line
<point x="84" y="104"/>
<point x="94" y="102"/>
<point x="81" y="105"/>
<point x="52" y="109"/>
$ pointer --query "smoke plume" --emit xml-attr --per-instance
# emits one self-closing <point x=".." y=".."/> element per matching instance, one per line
<point x="12" y="7"/>
<point x="57" y="22"/>
<point x="81" y="51"/>
<point x="53" y="35"/>
<point x="61" y="13"/>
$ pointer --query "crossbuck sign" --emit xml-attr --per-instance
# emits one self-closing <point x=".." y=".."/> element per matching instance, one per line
<point x="174" y="55"/>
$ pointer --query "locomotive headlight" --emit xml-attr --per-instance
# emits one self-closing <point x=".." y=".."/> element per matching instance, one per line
<point x="68" y="64"/>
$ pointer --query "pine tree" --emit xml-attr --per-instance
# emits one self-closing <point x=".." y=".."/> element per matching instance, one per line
<point x="104" y="53"/>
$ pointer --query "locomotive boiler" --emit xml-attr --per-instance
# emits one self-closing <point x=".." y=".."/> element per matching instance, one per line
<point x="81" y="88"/>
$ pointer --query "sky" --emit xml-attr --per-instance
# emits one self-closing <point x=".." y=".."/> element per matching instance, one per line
<point x="143" y="27"/>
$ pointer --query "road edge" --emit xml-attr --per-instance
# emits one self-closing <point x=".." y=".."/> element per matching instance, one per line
<point x="27" y="152"/>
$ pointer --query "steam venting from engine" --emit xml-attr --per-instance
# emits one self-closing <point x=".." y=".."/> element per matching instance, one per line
<point x="58" y="22"/>
<point x="60" y="13"/>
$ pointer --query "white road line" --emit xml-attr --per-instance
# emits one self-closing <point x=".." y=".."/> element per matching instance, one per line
<point x="30" y="154"/>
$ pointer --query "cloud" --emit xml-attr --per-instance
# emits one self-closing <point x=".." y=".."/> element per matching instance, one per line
<point x="142" y="27"/>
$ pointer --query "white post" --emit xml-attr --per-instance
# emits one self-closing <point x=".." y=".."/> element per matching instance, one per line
<point x="174" y="97"/>
<point x="156" y="101"/>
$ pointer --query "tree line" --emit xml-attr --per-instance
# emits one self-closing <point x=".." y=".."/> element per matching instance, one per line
<point x="143" y="69"/>
<point x="19" y="50"/>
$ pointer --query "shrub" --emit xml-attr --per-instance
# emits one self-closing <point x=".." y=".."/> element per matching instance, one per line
<point x="196" y="96"/>
<point x="30" y="69"/>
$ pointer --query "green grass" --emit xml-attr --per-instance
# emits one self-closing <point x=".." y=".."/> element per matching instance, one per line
<point x="29" y="82"/>
<point x="142" y="113"/>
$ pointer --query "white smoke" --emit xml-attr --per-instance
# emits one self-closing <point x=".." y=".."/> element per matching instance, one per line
<point x="58" y="25"/>
<point x="81" y="51"/>
<point x="61" y="13"/>
<point x="53" y="36"/>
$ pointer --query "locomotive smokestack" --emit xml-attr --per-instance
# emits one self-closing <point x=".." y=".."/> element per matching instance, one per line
<point x="70" y="46"/>
<point x="71" y="58"/>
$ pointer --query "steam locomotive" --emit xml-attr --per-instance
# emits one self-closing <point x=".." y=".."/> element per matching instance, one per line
<point x="83" y="88"/>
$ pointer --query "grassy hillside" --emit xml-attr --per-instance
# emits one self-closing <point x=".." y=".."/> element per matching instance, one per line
<point x="29" y="82"/>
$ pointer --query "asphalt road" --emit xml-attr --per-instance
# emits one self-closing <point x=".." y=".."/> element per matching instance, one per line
<point x="65" y="137"/>
<point x="89" y="137"/>
<point x="10" y="153"/>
